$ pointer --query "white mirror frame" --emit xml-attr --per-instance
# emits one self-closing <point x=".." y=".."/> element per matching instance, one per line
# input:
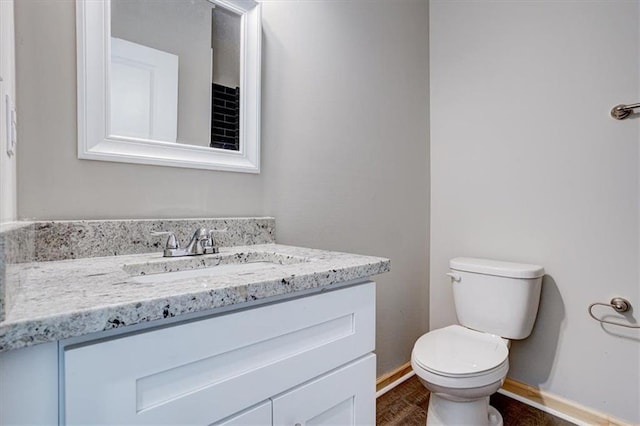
<point x="93" y="29"/>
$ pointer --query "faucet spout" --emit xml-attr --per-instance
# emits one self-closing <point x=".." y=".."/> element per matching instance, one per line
<point x="197" y="243"/>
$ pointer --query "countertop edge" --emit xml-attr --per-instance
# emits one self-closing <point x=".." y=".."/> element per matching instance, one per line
<point x="24" y="333"/>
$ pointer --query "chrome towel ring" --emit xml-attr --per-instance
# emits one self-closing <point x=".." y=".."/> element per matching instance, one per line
<point x="618" y="304"/>
<point x="622" y="111"/>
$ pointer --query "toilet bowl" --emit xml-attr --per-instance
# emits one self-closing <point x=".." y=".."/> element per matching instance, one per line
<point x="461" y="368"/>
<point x="462" y="365"/>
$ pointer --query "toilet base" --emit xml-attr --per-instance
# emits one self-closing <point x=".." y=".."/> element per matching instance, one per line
<point x="446" y="412"/>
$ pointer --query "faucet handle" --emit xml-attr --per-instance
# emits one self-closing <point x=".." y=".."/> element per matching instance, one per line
<point x="172" y="241"/>
<point x="212" y="232"/>
<point x="208" y="244"/>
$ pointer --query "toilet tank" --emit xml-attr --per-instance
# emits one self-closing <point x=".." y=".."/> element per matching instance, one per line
<point x="496" y="297"/>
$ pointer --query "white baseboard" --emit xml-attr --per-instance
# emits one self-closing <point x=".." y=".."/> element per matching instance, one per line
<point x="395" y="383"/>
<point x="542" y="407"/>
<point x="556" y="405"/>
<point x="529" y="395"/>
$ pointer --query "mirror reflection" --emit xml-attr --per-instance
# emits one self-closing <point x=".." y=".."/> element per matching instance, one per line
<point x="175" y="72"/>
<point x="225" y="110"/>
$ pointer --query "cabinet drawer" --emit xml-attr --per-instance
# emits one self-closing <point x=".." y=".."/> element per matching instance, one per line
<point x="344" y="397"/>
<point x="203" y="371"/>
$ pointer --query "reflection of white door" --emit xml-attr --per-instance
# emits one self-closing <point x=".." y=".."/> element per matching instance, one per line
<point x="144" y="92"/>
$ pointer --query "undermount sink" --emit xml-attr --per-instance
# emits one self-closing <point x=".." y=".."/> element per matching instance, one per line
<point x="161" y="269"/>
<point x="213" y="271"/>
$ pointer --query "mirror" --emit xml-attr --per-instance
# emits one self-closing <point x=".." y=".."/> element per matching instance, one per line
<point x="170" y="82"/>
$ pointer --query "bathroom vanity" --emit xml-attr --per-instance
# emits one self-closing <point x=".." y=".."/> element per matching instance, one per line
<point x="256" y="334"/>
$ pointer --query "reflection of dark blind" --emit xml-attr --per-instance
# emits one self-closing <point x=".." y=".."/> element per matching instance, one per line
<point x="225" y="117"/>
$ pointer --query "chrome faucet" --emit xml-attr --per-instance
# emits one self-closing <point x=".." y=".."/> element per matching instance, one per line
<point x="202" y="242"/>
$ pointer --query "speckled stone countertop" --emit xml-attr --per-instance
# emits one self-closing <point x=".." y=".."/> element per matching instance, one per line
<point x="43" y="241"/>
<point x="74" y="297"/>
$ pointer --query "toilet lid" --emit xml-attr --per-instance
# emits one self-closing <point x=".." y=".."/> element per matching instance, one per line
<point x="459" y="351"/>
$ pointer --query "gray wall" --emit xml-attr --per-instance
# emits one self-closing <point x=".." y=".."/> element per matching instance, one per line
<point x="528" y="166"/>
<point x="345" y="161"/>
<point x="345" y="141"/>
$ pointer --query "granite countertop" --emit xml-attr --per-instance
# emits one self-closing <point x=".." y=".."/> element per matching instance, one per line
<point x="68" y="298"/>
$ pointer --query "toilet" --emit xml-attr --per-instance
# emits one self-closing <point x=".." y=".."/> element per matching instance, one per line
<point x="462" y="365"/>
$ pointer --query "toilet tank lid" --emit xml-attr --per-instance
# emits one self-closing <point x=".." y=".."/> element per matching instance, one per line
<point x="496" y="267"/>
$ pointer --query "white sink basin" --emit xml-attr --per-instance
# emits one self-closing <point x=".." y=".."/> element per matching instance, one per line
<point x="213" y="271"/>
<point x="159" y="269"/>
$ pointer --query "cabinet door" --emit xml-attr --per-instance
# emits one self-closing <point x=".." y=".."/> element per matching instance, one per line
<point x="259" y="415"/>
<point x="345" y="396"/>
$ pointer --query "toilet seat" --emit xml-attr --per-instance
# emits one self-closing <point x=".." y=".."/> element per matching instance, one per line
<point x="459" y="357"/>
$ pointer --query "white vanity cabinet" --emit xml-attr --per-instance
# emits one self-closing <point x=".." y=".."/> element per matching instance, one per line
<point x="304" y="361"/>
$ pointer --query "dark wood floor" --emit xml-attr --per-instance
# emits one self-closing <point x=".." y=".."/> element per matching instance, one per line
<point x="406" y="405"/>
